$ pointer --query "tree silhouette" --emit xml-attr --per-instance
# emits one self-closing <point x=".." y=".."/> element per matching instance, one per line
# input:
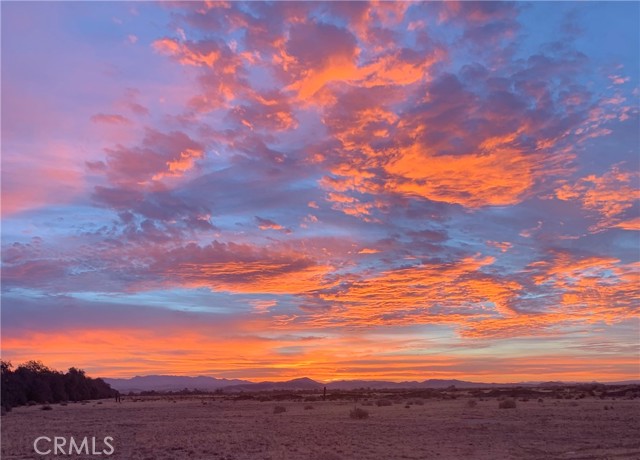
<point x="33" y="381"/>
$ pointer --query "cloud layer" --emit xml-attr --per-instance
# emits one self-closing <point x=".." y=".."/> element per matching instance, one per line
<point x="337" y="190"/>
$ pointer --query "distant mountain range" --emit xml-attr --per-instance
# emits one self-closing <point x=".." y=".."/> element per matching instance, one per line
<point x="171" y="383"/>
<point x="176" y="383"/>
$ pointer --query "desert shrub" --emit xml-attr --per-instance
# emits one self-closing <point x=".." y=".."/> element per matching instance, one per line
<point x="32" y="403"/>
<point x="63" y="403"/>
<point x="46" y="407"/>
<point x="359" y="413"/>
<point x="472" y="403"/>
<point x="507" y="404"/>
<point x="540" y="400"/>
<point x="407" y="406"/>
<point x="279" y="409"/>
<point x="573" y="403"/>
<point x="416" y="401"/>
<point x="308" y="407"/>
<point x="383" y="402"/>
<point x="327" y="456"/>
<point x="367" y="403"/>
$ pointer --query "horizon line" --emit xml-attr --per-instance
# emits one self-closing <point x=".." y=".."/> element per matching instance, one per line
<point x="326" y="382"/>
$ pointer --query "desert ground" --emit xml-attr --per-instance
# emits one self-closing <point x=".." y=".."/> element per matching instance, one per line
<point x="216" y="427"/>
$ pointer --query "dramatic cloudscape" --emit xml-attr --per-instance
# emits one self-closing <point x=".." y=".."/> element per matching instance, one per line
<point x="335" y="190"/>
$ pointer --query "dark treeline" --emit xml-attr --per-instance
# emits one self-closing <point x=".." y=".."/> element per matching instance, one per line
<point x="33" y="381"/>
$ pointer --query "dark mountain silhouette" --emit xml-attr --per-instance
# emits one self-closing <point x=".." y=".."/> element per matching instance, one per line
<point x="203" y="383"/>
<point x="624" y="382"/>
<point x="176" y="383"/>
<point x="303" y="383"/>
<point x="171" y="383"/>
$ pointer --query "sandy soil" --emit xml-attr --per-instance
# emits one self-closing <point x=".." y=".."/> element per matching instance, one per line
<point x="206" y="428"/>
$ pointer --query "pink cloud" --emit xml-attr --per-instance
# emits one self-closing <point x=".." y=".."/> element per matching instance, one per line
<point x="112" y="119"/>
<point x="268" y="224"/>
<point x="159" y="155"/>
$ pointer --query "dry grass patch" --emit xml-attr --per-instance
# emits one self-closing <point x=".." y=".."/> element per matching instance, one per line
<point x="507" y="404"/>
<point x="358" y="413"/>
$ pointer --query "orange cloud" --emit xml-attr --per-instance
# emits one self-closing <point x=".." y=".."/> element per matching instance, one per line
<point x="417" y="294"/>
<point x="252" y="277"/>
<point x="504" y="246"/>
<point x="386" y="70"/>
<point x="241" y="269"/>
<point x="268" y="224"/>
<point x="609" y="195"/>
<point x="587" y="290"/>
<point x="630" y="224"/>
<point x="498" y="177"/>
<point x="351" y="206"/>
<point x="187" y="54"/>
<point x="179" y="166"/>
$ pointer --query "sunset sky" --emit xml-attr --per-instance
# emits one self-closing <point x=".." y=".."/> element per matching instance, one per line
<point x="395" y="191"/>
